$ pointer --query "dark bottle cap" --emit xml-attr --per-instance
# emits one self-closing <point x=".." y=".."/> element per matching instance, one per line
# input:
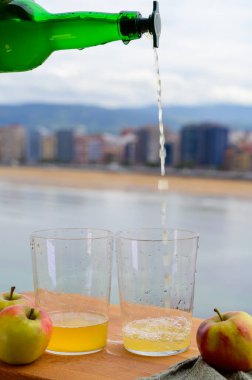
<point x="141" y="25"/>
<point x="152" y="24"/>
<point x="155" y="24"/>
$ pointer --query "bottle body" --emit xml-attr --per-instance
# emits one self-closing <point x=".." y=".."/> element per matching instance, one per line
<point x="23" y="45"/>
<point x="29" y="34"/>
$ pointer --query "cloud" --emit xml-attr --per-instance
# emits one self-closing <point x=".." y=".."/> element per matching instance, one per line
<point x="232" y="93"/>
<point x="205" y="56"/>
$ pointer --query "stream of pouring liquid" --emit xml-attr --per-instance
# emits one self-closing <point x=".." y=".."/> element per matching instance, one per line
<point x="163" y="184"/>
<point x="162" y="152"/>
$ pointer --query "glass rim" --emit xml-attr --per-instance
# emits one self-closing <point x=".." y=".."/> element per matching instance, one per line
<point x="191" y="234"/>
<point x="45" y="234"/>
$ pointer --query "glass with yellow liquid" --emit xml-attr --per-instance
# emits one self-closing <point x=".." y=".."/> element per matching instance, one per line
<point x="72" y="276"/>
<point x="156" y="271"/>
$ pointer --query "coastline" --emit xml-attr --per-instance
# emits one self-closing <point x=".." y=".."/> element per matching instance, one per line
<point x="105" y="180"/>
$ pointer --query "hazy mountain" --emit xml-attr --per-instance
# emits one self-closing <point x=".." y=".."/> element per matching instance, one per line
<point x="98" y="119"/>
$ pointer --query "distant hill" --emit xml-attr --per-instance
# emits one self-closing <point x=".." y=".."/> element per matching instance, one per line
<point x="98" y="119"/>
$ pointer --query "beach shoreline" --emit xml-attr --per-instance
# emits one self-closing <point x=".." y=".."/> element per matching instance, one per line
<point x="126" y="181"/>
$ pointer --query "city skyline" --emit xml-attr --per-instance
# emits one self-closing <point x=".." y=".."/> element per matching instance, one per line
<point x="195" y="146"/>
<point x="204" y="55"/>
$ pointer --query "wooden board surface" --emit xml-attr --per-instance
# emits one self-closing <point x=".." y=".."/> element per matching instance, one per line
<point x="114" y="362"/>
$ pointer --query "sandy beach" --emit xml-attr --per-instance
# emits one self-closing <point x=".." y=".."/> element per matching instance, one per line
<point x="87" y="179"/>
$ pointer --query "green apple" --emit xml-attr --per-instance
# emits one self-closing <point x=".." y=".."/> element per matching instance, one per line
<point x="11" y="298"/>
<point x="25" y="334"/>
<point x="225" y="341"/>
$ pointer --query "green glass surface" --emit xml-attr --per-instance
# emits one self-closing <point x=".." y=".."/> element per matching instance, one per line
<point x="29" y="34"/>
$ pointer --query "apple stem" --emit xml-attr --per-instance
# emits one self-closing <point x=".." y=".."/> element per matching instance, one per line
<point x="12" y="292"/>
<point x="219" y="314"/>
<point x="31" y="315"/>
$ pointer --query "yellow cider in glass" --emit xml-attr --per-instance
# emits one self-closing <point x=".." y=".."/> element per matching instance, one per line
<point x="163" y="334"/>
<point x="78" y="332"/>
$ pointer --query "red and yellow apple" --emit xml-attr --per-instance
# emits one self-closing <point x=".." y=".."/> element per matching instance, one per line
<point x="225" y="341"/>
<point x="11" y="298"/>
<point x="25" y="334"/>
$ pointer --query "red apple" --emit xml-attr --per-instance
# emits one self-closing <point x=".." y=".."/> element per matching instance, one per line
<point x="25" y="334"/>
<point x="225" y="341"/>
<point x="11" y="298"/>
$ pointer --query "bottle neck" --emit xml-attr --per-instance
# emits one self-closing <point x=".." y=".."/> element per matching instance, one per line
<point x="84" y="29"/>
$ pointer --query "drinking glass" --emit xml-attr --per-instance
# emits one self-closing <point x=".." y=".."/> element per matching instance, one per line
<point x="156" y="273"/>
<point x="72" y="278"/>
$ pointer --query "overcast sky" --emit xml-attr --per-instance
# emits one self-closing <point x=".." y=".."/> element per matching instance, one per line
<point x="205" y="56"/>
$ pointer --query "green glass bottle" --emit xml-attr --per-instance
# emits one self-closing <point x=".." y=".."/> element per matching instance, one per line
<point x="29" y="34"/>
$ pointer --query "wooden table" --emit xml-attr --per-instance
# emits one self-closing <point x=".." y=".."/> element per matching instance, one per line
<point x="114" y="362"/>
